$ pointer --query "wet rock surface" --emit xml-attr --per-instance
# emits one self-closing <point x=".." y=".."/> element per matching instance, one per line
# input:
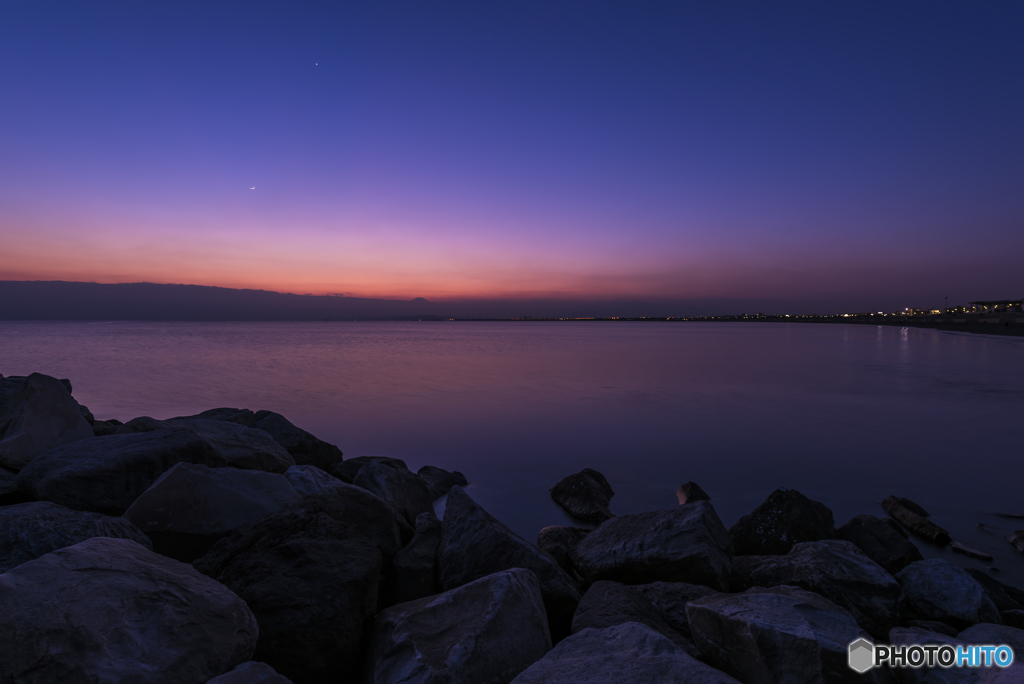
<point x="880" y="542"/>
<point x="31" y="530"/>
<point x="936" y="589"/>
<point x="484" y="632"/>
<point x="40" y="415"/>
<point x="915" y="522"/>
<point x="630" y="652"/>
<point x="785" y="518"/>
<point x="683" y="544"/>
<point x="585" y="496"/>
<point x="65" y="612"/>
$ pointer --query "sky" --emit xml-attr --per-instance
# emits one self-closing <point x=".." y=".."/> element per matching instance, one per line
<point x="864" y="153"/>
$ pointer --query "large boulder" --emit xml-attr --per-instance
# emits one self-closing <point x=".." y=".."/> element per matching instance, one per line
<point x="559" y="542"/>
<point x="607" y="604"/>
<point x="670" y="598"/>
<point x="441" y="480"/>
<point x="311" y="580"/>
<point x="404" y="490"/>
<point x="9" y="492"/>
<point x="31" y="530"/>
<point x="909" y="514"/>
<point x="689" y="492"/>
<point x="311" y="481"/>
<point x="106" y="474"/>
<point x="251" y="672"/>
<point x="303" y="446"/>
<point x="988" y="633"/>
<point x="110" y="610"/>
<point x="781" y="634"/>
<point x="484" y="632"/>
<point x="910" y="636"/>
<point x="585" y="496"/>
<point x="474" y="544"/>
<point x="880" y="542"/>
<point x="683" y="544"/>
<point x="416" y="573"/>
<point x="935" y="589"/>
<point x="348" y="470"/>
<point x="1002" y="595"/>
<point x="191" y="506"/>
<point x="629" y="652"/>
<point x="40" y="416"/>
<point x="241" y="447"/>
<point x="835" y="569"/>
<point x="785" y="518"/>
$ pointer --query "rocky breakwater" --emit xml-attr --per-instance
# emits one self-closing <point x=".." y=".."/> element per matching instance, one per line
<point x="232" y="547"/>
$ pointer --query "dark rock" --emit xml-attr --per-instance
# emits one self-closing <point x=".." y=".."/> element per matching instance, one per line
<point x="782" y="634"/>
<point x="346" y="471"/>
<point x="311" y="580"/>
<point x="251" y="672"/>
<point x="232" y="415"/>
<point x="607" y="604"/>
<point x="106" y="474"/>
<point x="303" y="446"/>
<point x="87" y="414"/>
<point x="1013" y="618"/>
<point x="416" y="566"/>
<point x="474" y="544"/>
<point x="933" y="626"/>
<point x="191" y="506"/>
<point x="242" y="447"/>
<point x="909" y="505"/>
<point x="835" y="569"/>
<point x="31" y="530"/>
<point x="630" y="652"/>
<point x="994" y="634"/>
<point x="671" y="598"/>
<point x="915" y="522"/>
<point x="440" y="480"/>
<point x="996" y="590"/>
<point x="404" y="490"/>
<point x="140" y="424"/>
<point x="484" y="632"/>
<point x="585" y="496"/>
<point x="9" y="492"/>
<point x="936" y="589"/>
<point x="1017" y="539"/>
<point x="896" y="526"/>
<point x="968" y="551"/>
<point x="906" y="636"/>
<point x="310" y="481"/>
<point x="785" y="518"/>
<point x="559" y="541"/>
<point x="40" y="416"/>
<point x="373" y="518"/>
<point x="102" y="428"/>
<point x="880" y="542"/>
<point x="110" y="610"/>
<point x="683" y="544"/>
<point x="690" y="492"/>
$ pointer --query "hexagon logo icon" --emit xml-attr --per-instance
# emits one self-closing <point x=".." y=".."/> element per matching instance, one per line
<point x="862" y="655"/>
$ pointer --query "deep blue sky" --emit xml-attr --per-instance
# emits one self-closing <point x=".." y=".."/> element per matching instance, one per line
<point x="865" y="153"/>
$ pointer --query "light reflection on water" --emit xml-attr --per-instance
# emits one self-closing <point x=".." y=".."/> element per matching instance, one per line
<point x="846" y="414"/>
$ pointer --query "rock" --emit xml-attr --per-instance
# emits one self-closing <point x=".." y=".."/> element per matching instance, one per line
<point x="1017" y="539"/>
<point x="40" y="416"/>
<point x="106" y="474"/>
<point x="303" y="446"/>
<point x="110" y="610"/>
<point x="440" y="480"/>
<point x="988" y="633"/>
<point x="416" y="571"/>
<point x="373" y="518"/>
<point x="690" y="492"/>
<point x="87" y="414"/>
<point x="782" y="634"/>
<point x="310" y="481"/>
<point x="232" y="415"/>
<point x="936" y="589"/>
<point x="835" y="569"/>
<point x="1013" y="618"/>
<point x="683" y="544"/>
<point x="102" y="428"/>
<point x="484" y="632"/>
<point x="607" y="604"/>
<point x="909" y="505"/>
<point x="915" y="522"/>
<point x="1002" y="595"/>
<point x="140" y="424"/>
<point x="9" y="492"/>
<point x="559" y="541"/>
<point x="251" y="672"/>
<point x="896" y="526"/>
<point x="880" y="542"/>
<point x="347" y="471"/>
<point x="906" y="636"/>
<point x="585" y="496"/>
<point x="630" y="652"/>
<point x="967" y="551"/>
<point x="670" y="598"/>
<point x="785" y="518"/>
<point x="191" y="506"/>
<point x="312" y="583"/>
<point x="404" y="490"/>
<point x="242" y="447"/>
<point x="31" y="530"/>
<point x="933" y="626"/>
<point x="474" y="545"/>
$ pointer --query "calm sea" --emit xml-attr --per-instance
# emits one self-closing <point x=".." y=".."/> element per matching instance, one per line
<point x="845" y="414"/>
